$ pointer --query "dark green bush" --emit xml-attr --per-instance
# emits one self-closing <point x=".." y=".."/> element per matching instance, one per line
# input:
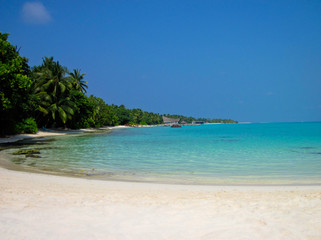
<point x="27" y="125"/>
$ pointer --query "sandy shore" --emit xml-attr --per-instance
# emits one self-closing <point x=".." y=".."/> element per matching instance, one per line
<point x="15" y="138"/>
<point x="36" y="206"/>
<point x="50" y="133"/>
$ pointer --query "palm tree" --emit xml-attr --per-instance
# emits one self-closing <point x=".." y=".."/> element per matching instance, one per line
<point x="64" y="108"/>
<point x="78" y="82"/>
<point x="53" y="89"/>
<point x="52" y="79"/>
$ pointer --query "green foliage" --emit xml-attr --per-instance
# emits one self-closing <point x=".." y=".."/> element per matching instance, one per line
<point x="82" y="117"/>
<point x="56" y="97"/>
<point x="27" y="125"/>
<point x="152" y="118"/>
<point x="123" y="114"/>
<point x="207" y="120"/>
<point x="16" y="97"/>
<point x="136" y="115"/>
<point x="53" y="88"/>
<point x="78" y="82"/>
<point x="103" y="114"/>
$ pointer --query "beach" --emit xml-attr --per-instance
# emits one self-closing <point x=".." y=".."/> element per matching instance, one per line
<point x="51" y="133"/>
<point x="38" y="206"/>
<point x="160" y="120"/>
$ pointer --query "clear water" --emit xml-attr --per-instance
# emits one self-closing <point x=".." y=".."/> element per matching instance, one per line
<point x="260" y="153"/>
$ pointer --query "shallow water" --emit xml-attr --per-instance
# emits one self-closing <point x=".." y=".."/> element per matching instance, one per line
<point x="258" y="153"/>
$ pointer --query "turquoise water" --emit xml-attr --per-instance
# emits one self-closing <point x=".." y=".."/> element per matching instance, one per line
<point x="257" y="153"/>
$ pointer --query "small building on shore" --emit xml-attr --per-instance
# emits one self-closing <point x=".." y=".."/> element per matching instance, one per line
<point x="170" y="121"/>
<point x="198" y="122"/>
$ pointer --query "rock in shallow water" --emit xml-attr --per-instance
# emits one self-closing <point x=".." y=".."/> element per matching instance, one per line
<point x="32" y="155"/>
<point x="27" y="151"/>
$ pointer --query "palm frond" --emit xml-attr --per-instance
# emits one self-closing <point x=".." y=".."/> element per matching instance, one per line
<point x="62" y="87"/>
<point x="43" y="110"/>
<point x="62" y="114"/>
<point x="48" y="83"/>
<point x="68" y="109"/>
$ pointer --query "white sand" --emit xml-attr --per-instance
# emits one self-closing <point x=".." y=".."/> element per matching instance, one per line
<point x="36" y="206"/>
<point x="50" y="133"/>
<point x="14" y="138"/>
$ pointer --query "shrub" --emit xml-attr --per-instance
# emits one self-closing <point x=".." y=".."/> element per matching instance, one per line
<point x="27" y="125"/>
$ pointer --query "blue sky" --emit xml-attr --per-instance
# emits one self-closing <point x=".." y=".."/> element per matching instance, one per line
<point x="249" y="60"/>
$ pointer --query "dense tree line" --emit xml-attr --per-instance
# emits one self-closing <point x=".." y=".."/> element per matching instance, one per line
<point x="49" y="95"/>
<point x="207" y="120"/>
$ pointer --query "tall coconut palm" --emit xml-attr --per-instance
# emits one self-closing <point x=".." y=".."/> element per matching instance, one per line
<point x="78" y="82"/>
<point x="53" y="80"/>
<point x="52" y="88"/>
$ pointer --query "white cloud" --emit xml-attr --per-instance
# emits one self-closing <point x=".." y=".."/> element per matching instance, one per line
<point x="35" y="13"/>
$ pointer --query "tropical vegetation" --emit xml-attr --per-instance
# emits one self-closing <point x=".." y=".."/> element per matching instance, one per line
<point x="16" y="85"/>
<point x="206" y="120"/>
<point x="51" y="96"/>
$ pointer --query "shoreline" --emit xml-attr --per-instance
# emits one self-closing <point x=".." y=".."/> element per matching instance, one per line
<point x="61" y="132"/>
<point x="54" y="132"/>
<point x="166" y="186"/>
<point x="7" y="164"/>
<point x="45" y="206"/>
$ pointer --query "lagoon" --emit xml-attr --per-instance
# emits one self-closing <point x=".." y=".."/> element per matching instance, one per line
<point x="256" y="153"/>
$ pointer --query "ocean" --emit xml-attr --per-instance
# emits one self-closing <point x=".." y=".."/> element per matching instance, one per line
<point x="255" y="153"/>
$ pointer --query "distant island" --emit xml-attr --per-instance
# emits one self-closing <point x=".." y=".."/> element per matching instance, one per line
<point x="50" y="95"/>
